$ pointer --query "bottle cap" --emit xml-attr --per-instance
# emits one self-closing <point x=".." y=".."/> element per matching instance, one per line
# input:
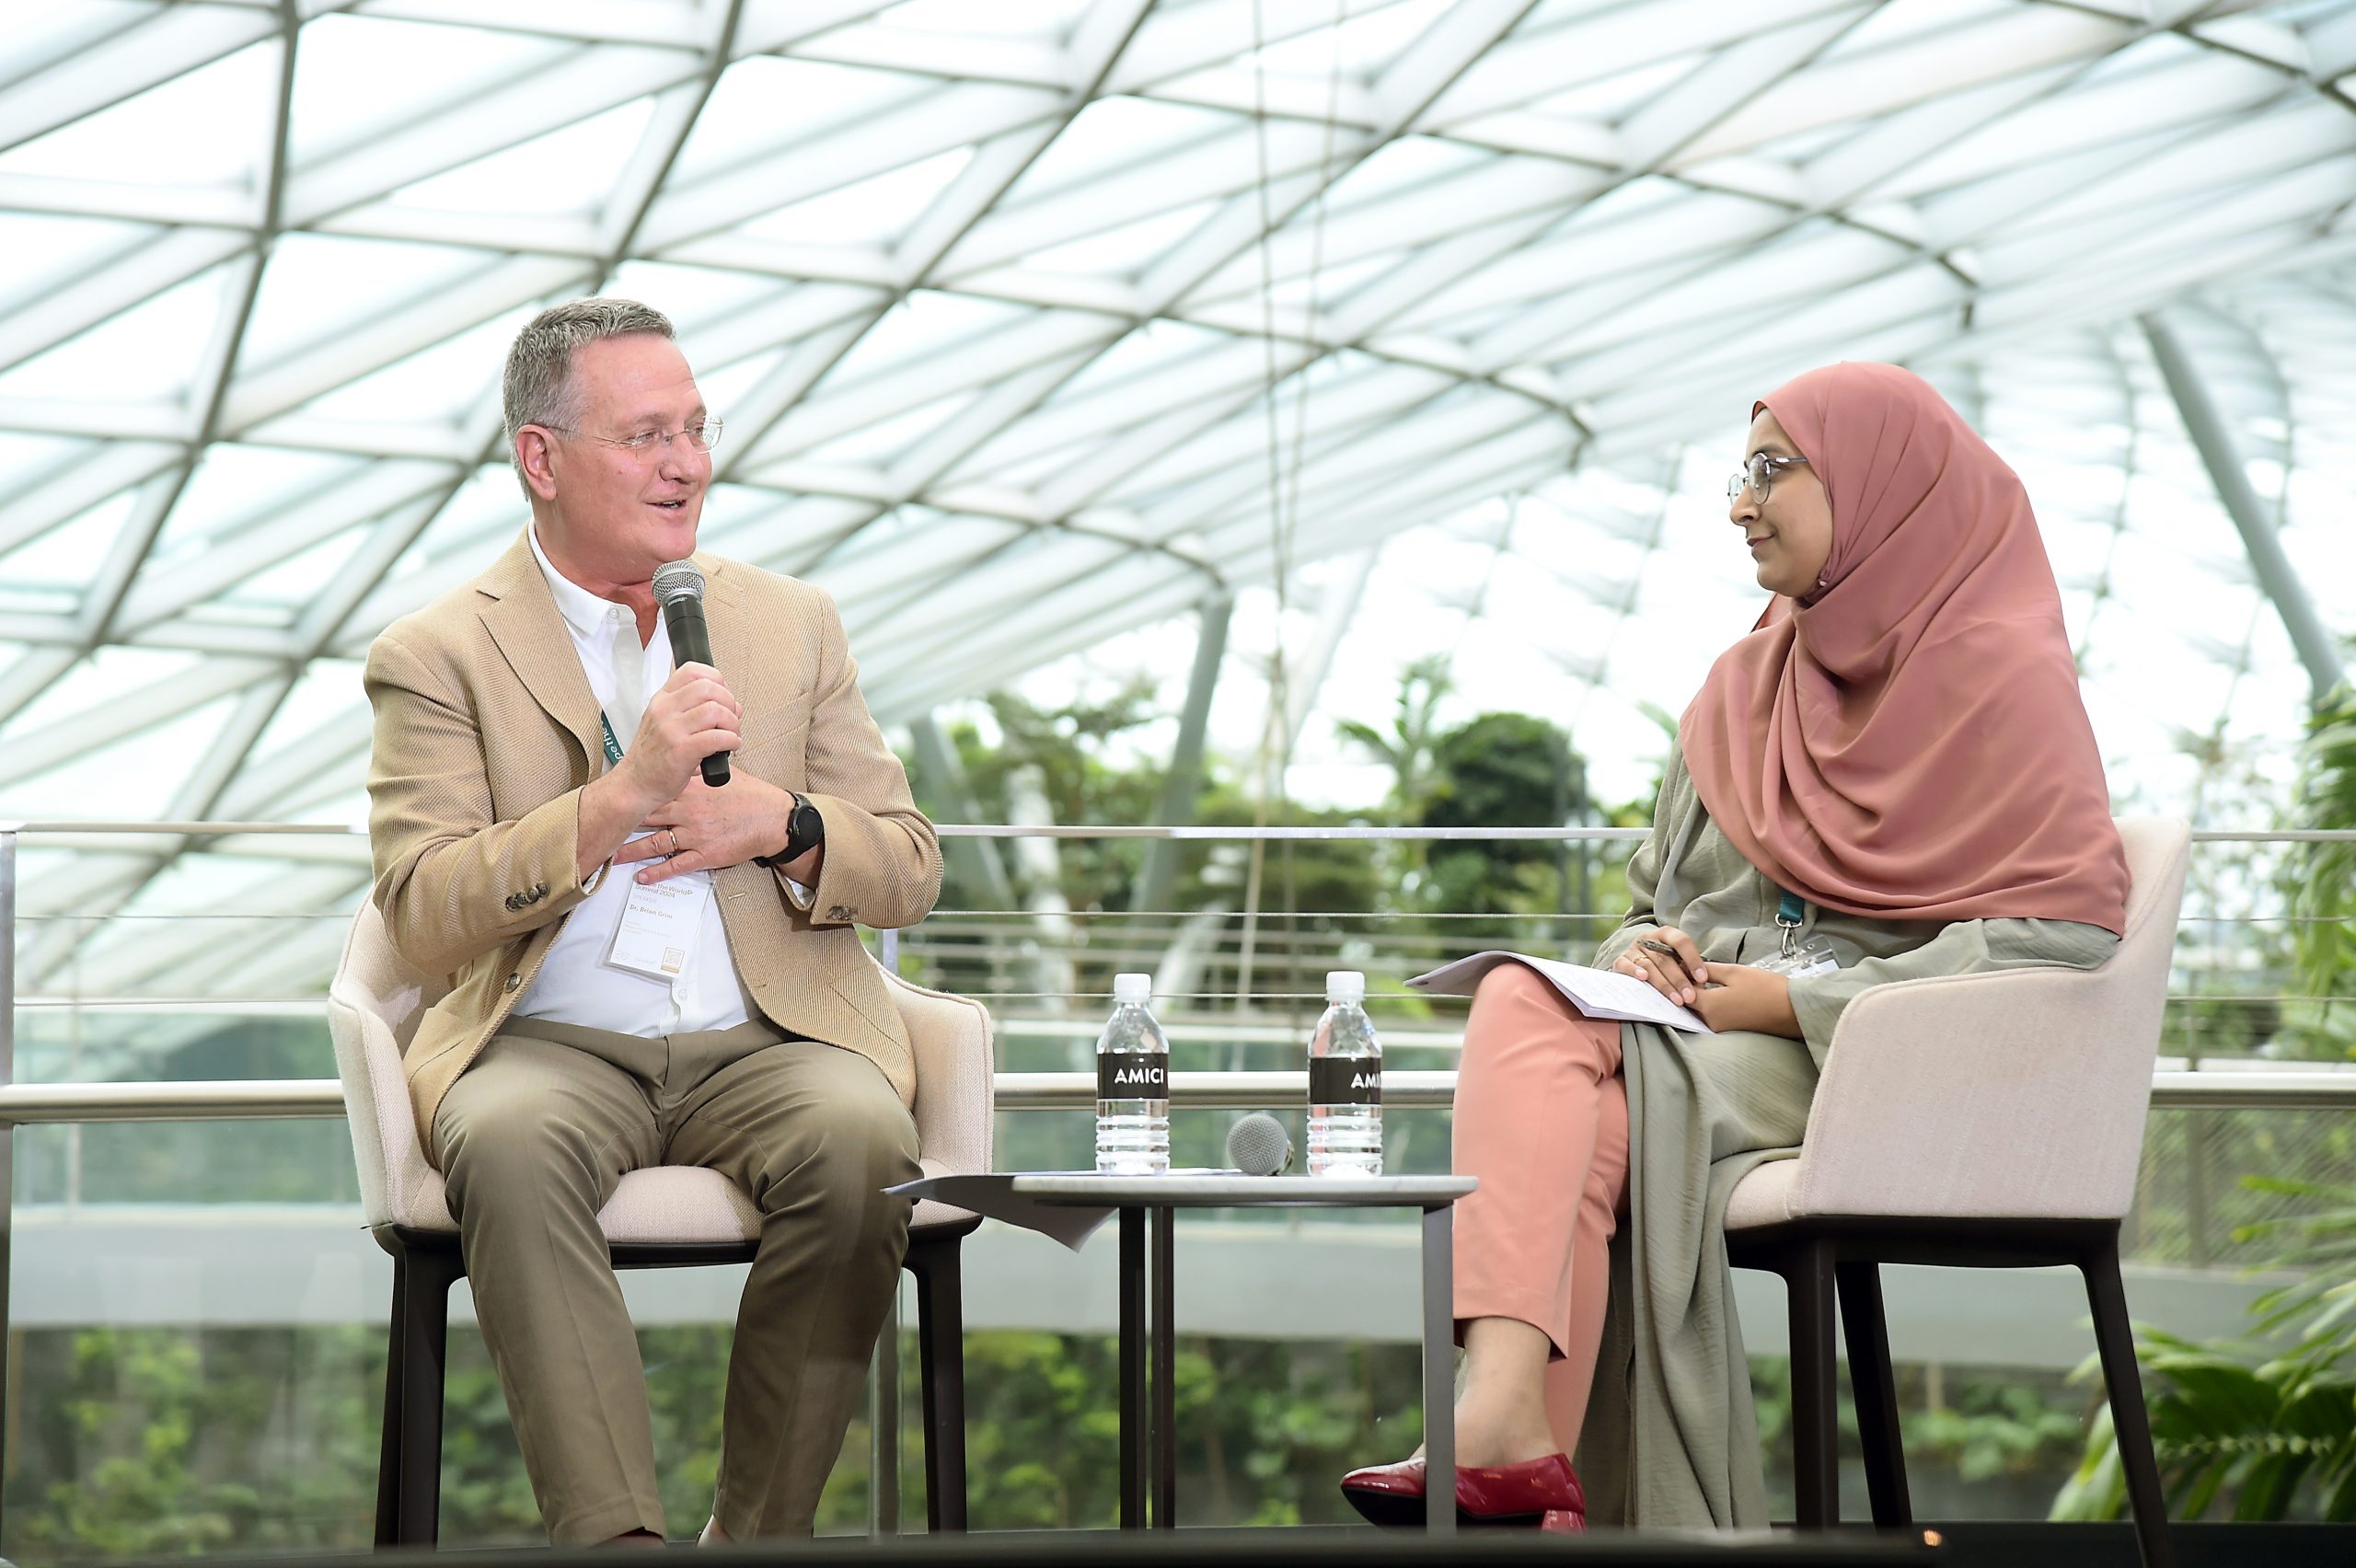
<point x="1345" y="986"/>
<point x="1129" y="988"/>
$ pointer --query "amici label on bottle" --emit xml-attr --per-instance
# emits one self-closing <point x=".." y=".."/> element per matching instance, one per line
<point x="1130" y="1076"/>
<point x="1345" y="1080"/>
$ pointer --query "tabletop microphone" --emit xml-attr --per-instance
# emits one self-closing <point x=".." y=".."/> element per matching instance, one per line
<point x="678" y="588"/>
<point x="1258" y="1145"/>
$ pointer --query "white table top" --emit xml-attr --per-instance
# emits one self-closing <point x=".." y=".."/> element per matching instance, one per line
<point x="1069" y="1205"/>
<point x="1222" y="1189"/>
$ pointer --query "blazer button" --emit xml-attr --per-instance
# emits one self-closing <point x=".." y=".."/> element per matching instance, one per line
<point x="513" y="981"/>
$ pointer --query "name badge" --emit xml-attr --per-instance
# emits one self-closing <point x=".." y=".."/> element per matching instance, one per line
<point x="659" y="924"/>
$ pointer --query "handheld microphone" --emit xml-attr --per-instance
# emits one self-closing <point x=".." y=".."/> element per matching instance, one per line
<point x="1258" y="1145"/>
<point x="678" y="588"/>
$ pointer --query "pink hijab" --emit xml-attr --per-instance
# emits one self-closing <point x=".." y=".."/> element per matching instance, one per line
<point x="1907" y="741"/>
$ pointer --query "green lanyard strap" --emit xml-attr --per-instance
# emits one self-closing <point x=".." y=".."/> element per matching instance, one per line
<point x="613" y="746"/>
<point x="1789" y="912"/>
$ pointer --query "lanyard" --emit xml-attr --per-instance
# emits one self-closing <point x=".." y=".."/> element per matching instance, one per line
<point x="613" y="746"/>
<point x="1789" y="912"/>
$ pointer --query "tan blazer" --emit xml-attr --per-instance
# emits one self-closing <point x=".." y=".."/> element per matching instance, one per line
<point x="486" y="732"/>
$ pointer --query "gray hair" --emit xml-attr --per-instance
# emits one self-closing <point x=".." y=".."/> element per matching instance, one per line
<point x="540" y="387"/>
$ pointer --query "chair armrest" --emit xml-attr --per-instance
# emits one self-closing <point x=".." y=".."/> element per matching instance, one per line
<point x="2020" y="1093"/>
<point x="955" y="1061"/>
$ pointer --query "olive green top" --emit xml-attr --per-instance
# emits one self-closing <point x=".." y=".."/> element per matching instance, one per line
<point x="1671" y="1437"/>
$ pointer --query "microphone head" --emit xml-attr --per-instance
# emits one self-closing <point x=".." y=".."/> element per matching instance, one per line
<point x="1258" y="1145"/>
<point x="677" y="579"/>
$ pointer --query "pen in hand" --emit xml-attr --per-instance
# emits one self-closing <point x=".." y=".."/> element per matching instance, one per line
<point x="1671" y="955"/>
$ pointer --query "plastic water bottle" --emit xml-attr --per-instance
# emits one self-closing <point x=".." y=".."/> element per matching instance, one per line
<point x="1345" y="1083"/>
<point x="1132" y="1085"/>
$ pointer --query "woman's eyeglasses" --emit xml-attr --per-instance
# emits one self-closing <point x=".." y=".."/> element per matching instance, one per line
<point x="1758" y="476"/>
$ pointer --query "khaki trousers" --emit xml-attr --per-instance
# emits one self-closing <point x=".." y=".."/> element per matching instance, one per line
<point x="532" y="1140"/>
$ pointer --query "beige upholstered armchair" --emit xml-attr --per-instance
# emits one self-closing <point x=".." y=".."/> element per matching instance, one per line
<point x="664" y="1217"/>
<point x="1989" y="1121"/>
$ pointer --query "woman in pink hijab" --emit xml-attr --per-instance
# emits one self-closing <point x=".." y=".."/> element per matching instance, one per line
<point x="1892" y="768"/>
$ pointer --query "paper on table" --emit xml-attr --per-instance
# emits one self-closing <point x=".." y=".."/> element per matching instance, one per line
<point x="1598" y="993"/>
<point x="991" y="1194"/>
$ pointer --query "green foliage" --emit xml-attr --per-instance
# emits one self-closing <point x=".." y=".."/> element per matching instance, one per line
<point x="1501" y="770"/>
<point x="1994" y="1432"/>
<point x="2253" y="1431"/>
<point x="1408" y="748"/>
<point x="2319" y="887"/>
<point x="144" y="1443"/>
<point x="2327" y="799"/>
<point x="174" y="1443"/>
<point x="1996" y="1428"/>
<point x="1070" y="750"/>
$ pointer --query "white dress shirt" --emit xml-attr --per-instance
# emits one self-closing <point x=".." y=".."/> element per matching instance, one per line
<point x="575" y="984"/>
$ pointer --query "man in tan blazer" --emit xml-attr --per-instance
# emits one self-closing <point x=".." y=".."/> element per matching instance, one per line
<point x="647" y="970"/>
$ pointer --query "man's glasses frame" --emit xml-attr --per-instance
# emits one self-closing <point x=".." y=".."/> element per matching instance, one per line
<point x="703" y="436"/>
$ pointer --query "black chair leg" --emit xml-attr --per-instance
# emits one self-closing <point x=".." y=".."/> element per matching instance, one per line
<point x="1815" y="1455"/>
<point x="1865" y="1328"/>
<point x="424" y="1330"/>
<point x="388" y="1450"/>
<point x="2115" y="1338"/>
<point x="940" y="1337"/>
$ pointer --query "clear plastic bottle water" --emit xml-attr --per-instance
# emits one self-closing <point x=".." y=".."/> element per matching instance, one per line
<point x="1132" y="1085"/>
<point x="1345" y="1083"/>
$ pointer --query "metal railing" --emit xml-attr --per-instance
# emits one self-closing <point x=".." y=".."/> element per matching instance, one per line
<point x="30" y="1104"/>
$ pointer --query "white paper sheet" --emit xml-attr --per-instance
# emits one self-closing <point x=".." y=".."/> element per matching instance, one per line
<point x="1598" y="993"/>
<point x="991" y="1194"/>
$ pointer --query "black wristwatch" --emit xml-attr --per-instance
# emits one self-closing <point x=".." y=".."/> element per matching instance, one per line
<point x="804" y="830"/>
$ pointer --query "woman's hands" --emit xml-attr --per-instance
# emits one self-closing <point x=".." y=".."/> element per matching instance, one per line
<point x="1679" y="978"/>
<point x="1728" y="996"/>
<point x="1744" y="997"/>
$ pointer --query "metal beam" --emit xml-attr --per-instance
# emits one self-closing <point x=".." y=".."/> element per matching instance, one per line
<point x="1182" y="783"/>
<point x="975" y="859"/>
<point x="1336" y="609"/>
<point x="2317" y="650"/>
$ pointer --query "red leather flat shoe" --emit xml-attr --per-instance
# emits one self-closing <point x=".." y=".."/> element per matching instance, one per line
<point x="1387" y="1494"/>
<point x="1542" y="1492"/>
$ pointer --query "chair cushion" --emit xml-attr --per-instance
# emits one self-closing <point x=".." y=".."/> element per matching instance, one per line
<point x="1766" y="1196"/>
<point x="663" y="1203"/>
<point x="678" y="1203"/>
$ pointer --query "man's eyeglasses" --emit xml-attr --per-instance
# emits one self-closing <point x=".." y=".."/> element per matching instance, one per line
<point x="702" y="436"/>
<point x="1758" y="476"/>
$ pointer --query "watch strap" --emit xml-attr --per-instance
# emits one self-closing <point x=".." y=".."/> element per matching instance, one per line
<point x="804" y="831"/>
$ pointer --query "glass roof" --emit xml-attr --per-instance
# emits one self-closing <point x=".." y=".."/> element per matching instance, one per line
<point x="1036" y="322"/>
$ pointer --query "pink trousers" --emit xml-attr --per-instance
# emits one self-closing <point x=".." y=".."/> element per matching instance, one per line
<point x="1541" y="1118"/>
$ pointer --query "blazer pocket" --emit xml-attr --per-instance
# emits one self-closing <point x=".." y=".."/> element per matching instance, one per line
<point x="867" y="1006"/>
<point x="779" y="723"/>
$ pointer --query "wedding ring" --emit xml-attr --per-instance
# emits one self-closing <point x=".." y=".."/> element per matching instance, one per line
<point x="675" y="838"/>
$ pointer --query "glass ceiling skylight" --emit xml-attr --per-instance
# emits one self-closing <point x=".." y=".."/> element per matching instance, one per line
<point x="995" y="298"/>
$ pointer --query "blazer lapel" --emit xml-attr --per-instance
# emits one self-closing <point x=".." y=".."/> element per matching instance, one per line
<point x="521" y="616"/>
<point x="732" y="637"/>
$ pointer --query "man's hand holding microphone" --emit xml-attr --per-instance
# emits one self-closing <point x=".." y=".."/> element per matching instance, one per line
<point x="658" y="785"/>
